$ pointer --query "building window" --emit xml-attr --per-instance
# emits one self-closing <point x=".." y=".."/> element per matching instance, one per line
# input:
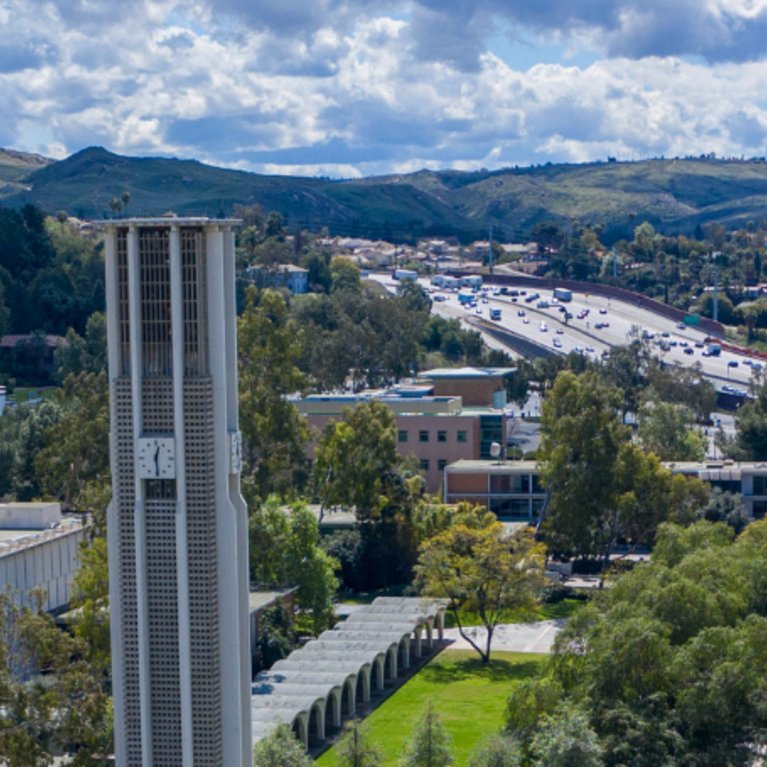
<point x="441" y="463"/>
<point x="402" y="435"/>
<point x="424" y="464"/>
<point x="423" y="436"/>
<point x="441" y="436"/>
<point x="758" y="509"/>
<point x="759" y="485"/>
<point x="462" y="436"/>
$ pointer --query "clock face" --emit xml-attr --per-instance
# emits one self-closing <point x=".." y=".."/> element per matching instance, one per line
<point x="156" y="458"/>
<point x="235" y="452"/>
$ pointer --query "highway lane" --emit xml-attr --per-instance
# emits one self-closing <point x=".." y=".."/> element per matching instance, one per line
<point x="583" y="335"/>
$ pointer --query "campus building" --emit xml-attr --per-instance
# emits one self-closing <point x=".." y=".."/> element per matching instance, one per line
<point x="294" y="278"/>
<point x="178" y="538"/>
<point x="513" y="490"/>
<point x="435" y="423"/>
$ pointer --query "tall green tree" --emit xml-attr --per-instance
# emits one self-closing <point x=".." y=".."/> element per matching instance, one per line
<point x="430" y="745"/>
<point x="358" y="749"/>
<point x="274" y="433"/>
<point x="668" y="431"/>
<point x="74" y="463"/>
<point x="482" y="570"/>
<point x="566" y="740"/>
<point x="601" y="486"/>
<point x="280" y="749"/>
<point x="49" y="695"/>
<point x="356" y="456"/>
<point x="496" y="751"/>
<point x="285" y="550"/>
<point x="84" y="354"/>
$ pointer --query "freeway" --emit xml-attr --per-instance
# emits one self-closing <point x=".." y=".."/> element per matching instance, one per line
<point x="547" y="326"/>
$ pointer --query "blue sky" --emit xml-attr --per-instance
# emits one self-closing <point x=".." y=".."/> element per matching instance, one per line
<point x="362" y="87"/>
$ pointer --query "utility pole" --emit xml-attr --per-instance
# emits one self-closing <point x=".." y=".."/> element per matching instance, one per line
<point x="491" y="248"/>
<point x="716" y="290"/>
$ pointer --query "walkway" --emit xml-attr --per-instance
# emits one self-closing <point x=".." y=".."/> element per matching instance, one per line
<point x="333" y="677"/>
<point x="510" y="637"/>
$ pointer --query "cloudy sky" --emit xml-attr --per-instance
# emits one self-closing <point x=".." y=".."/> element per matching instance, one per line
<point x="363" y="87"/>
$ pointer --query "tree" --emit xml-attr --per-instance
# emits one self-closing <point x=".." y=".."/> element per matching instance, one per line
<point x="49" y="697"/>
<point x="355" y="457"/>
<point x="357" y="749"/>
<point x="750" y="443"/>
<point x="274" y="433"/>
<point x="115" y="205"/>
<point x="566" y="740"/>
<point x="280" y="749"/>
<point x="481" y="569"/>
<point x="5" y="313"/>
<point x="345" y="276"/>
<point x="276" y="635"/>
<point x="429" y="744"/>
<point x="664" y="668"/>
<point x="75" y="459"/>
<point x="285" y="550"/>
<point x="601" y="486"/>
<point x="90" y="600"/>
<point x="84" y="354"/>
<point x="666" y="430"/>
<point x="496" y="751"/>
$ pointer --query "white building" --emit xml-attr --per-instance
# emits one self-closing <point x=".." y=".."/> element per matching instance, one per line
<point x="178" y="538"/>
<point x="294" y="278"/>
<point x="39" y="548"/>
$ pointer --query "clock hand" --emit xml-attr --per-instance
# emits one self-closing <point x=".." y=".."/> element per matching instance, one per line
<point x="157" y="462"/>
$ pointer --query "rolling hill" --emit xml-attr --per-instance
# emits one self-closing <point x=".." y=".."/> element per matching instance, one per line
<point x="674" y="195"/>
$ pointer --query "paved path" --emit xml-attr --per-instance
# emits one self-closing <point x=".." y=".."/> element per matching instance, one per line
<point x="511" y="637"/>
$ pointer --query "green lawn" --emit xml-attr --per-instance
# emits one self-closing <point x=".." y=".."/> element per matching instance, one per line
<point x="470" y="697"/>
<point x="21" y="394"/>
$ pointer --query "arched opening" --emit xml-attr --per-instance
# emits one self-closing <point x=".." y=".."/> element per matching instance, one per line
<point x="361" y="697"/>
<point x="347" y="700"/>
<point x="299" y="732"/>
<point x="332" y="713"/>
<point x="404" y="659"/>
<point x="429" y="634"/>
<point x="415" y="647"/>
<point x="388" y="668"/>
<point x="376" y="677"/>
<point x="316" y="728"/>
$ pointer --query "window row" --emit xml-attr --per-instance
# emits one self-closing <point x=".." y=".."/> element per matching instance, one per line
<point x="424" y="436"/>
<point x="426" y="464"/>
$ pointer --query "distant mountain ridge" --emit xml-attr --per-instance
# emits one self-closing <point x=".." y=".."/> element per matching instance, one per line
<point x="674" y="195"/>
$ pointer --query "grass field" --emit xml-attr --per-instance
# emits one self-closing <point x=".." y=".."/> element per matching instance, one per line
<point x="470" y="697"/>
<point x="21" y="394"/>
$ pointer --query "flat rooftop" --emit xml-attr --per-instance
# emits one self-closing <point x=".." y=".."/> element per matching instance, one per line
<point x="13" y="541"/>
<point x="118" y="223"/>
<point x="466" y="372"/>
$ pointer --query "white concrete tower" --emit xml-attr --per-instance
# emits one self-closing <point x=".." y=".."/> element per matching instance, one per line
<point x="177" y="524"/>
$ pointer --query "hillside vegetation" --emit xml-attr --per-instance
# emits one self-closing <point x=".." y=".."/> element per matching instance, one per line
<point x="674" y="195"/>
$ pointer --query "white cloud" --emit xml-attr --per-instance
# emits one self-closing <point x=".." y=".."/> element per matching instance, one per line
<point x="360" y="96"/>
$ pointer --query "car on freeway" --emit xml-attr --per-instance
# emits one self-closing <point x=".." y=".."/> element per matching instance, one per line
<point x="479" y="311"/>
<point x="756" y="366"/>
<point x="543" y="327"/>
<point x="665" y="334"/>
<point x="699" y="344"/>
<point x="525" y="321"/>
<point x="557" y="343"/>
<point x="688" y="350"/>
<point x="603" y="311"/>
<point x="484" y="300"/>
<point x="682" y="326"/>
<point x="672" y="343"/>
<point x="590" y="349"/>
<point x="683" y="343"/>
<point x="732" y="364"/>
<point x="747" y="362"/>
<point x="522" y="292"/>
<point x="649" y="334"/>
<point x="560" y="331"/>
<point x="705" y="353"/>
<point x="521" y="313"/>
